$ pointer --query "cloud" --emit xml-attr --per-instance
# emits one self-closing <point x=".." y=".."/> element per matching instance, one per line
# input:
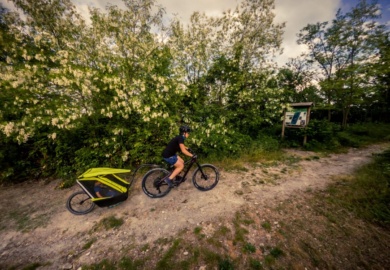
<point x="297" y="14"/>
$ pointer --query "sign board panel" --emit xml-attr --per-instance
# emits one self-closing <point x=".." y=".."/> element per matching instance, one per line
<point x="297" y="117"/>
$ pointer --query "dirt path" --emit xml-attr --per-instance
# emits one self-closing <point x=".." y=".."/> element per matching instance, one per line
<point x="36" y="227"/>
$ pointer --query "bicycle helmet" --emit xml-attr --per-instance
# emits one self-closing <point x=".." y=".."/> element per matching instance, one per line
<point x="184" y="129"/>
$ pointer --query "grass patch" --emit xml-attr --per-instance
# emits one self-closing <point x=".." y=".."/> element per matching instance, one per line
<point x="226" y="264"/>
<point x="108" y="223"/>
<point x="32" y="266"/>
<point x="249" y="248"/>
<point x="274" y="253"/>
<point x="255" y="264"/>
<point x="253" y="155"/>
<point x="112" y="222"/>
<point x="367" y="193"/>
<point x="125" y="263"/>
<point x="197" y="230"/>
<point x="240" y="232"/>
<point x="89" y="244"/>
<point x="166" y="261"/>
<point x="266" y="226"/>
<point x="24" y="221"/>
<point x="222" y="231"/>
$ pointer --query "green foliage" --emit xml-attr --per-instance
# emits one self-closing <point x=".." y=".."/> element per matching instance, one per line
<point x="112" y="93"/>
<point x="348" y="140"/>
<point x="74" y="98"/>
<point x="340" y="50"/>
<point x="324" y="135"/>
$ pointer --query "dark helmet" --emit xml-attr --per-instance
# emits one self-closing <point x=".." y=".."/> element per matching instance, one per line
<point x="184" y="128"/>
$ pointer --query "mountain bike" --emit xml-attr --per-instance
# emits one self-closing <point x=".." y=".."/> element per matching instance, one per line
<point x="205" y="177"/>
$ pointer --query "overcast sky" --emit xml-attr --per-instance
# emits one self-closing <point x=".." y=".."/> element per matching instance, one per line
<point x="296" y="13"/>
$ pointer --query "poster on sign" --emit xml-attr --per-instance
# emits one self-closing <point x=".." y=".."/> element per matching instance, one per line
<point x="297" y="117"/>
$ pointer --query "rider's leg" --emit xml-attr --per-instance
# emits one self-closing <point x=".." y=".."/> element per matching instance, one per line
<point x="179" y="166"/>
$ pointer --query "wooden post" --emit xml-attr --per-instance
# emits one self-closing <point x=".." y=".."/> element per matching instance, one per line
<point x="284" y="123"/>
<point x="307" y="123"/>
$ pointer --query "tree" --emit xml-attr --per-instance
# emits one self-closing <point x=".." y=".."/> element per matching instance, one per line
<point x="296" y="79"/>
<point x="342" y="51"/>
<point x="381" y="73"/>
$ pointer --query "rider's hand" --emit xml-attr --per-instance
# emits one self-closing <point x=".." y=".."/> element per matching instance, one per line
<point x="194" y="157"/>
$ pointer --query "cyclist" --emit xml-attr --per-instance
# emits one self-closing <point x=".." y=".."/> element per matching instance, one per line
<point x="170" y="153"/>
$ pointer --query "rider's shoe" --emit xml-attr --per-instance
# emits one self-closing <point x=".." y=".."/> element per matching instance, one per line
<point x="169" y="182"/>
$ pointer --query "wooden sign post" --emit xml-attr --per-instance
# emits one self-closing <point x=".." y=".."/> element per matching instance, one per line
<point x="297" y="116"/>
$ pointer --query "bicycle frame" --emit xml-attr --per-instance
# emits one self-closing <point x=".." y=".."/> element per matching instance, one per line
<point x="187" y="167"/>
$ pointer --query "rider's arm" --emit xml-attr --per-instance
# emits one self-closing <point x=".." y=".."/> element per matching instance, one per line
<point x="184" y="150"/>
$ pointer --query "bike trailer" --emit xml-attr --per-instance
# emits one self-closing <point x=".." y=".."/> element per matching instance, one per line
<point x="111" y="178"/>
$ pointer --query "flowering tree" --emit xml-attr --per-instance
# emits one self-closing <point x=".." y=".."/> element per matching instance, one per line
<point x="225" y="62"/>
<point x="112" y="92"/>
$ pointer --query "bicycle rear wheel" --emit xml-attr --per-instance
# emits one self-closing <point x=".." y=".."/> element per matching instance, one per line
<point x="205" y="177"/>
<point x="153" y="185"/>
<point x="79" y="203"/>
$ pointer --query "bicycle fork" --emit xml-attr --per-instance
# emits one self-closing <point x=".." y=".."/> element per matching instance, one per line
<point x="204" y="176"/>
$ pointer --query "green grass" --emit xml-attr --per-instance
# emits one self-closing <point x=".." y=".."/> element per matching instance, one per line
<point x="89" y="243"/>
<point x="249" y="248"/>
<point x="166" y="261"/>
<point x="124" y="264"/>
<point x="26" y="219"/>
<point x="266" y="226"/>
<point x="367" y="193"/>
<point x="250" y="157"/>
<point x="108" y="223"/>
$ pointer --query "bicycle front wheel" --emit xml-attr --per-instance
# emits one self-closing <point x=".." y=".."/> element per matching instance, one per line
<point x="205" y="177"/>
<point x="153" y="185"/>
<point x="79" y="203"/>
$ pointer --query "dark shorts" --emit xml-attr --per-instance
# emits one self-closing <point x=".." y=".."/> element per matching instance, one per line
<point x="171" y="160"/>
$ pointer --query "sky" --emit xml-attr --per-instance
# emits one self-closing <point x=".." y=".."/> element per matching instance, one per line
<point x="296" y="13"/>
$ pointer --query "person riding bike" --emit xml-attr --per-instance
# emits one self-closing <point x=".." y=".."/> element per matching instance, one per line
<point x="170" y="153"/>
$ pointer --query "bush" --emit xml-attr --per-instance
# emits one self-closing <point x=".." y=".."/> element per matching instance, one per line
<point x="347" y="139"/>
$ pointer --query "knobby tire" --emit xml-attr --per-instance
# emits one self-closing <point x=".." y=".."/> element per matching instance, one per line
<point x="79" y="203"/>
<point x="152" y="184"/>
<point x="205" y="177"/>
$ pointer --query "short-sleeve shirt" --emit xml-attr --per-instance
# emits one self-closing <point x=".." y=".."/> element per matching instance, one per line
<point x="105" y="191"/>
<point x="173" y="147"/>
